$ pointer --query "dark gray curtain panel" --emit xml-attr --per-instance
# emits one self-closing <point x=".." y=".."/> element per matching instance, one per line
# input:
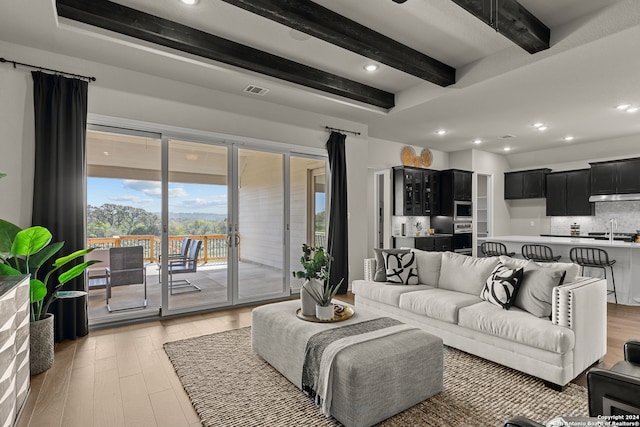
<point x="60" y="106"/>
<point x="337" y="238"/>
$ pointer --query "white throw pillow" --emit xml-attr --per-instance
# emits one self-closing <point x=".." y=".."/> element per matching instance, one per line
<point x="380" y="274"/>
<point x="502" y="286"/>
<point x="400" y="268"/>
<point x="428" y="265"/>
<point x="462" y="273"/>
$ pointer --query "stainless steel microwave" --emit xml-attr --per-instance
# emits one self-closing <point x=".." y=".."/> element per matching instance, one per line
<point x="462" y="211"/>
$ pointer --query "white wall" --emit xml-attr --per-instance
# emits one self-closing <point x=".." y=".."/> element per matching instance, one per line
<point x="16" y="146"/>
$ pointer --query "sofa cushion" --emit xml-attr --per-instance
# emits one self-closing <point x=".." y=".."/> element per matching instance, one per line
<point x="463" y="273"/>
<point x="573" y="270"/>
<point x="400" y="268"/>
<point x="380" y="273"/>
<point x="536" y="292"/>
<point x="517" y="325"/>
<point x="438" y="304"/>
<point x="383" y="292"/>
<point x="502" y="286"/>
<point x="428" y="265"/>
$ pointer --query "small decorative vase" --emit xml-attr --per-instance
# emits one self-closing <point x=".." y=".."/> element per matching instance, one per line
<point x="41" y="344"/>
<point x="307" y="303"/>
<point x="324" y="312"/>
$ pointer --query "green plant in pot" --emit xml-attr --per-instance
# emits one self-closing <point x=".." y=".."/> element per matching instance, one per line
<point x="29" y="251"/>
<point x="316" y="290"/>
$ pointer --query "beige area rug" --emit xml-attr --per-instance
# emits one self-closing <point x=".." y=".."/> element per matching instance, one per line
<point x="229" y="385"/>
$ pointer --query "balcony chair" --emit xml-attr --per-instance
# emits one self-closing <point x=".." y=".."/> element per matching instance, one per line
<point x="594" y="258"/>
<point x="539" y="253"/>
<point x="186" y="265"/>
<point x="97" y="273"/>
<point x="177" y="258"/>
<point x="494" y="249"/>
<point x="610" y="392"/>
<point x="126" y="267"/>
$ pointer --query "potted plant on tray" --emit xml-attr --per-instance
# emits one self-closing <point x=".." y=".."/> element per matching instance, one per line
<point x="28" y="252"/>
<point x="316" y="292"/>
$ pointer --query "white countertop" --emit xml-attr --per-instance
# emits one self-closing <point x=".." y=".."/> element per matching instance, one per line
<point x="571" y="241"/>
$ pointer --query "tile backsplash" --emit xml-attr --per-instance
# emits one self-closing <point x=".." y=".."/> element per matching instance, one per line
<point x="410" y="225"/>
<point x="627" y="214"/>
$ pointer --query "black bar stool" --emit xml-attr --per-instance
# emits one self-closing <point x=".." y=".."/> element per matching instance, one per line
<point x="495" y="249"/>
<point x="539" y="253"/>
<point x="594" y="258"/>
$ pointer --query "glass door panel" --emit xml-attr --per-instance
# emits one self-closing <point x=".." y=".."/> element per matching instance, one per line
<point x="307" y="209"/>
<point x="198" y="209"/>
<point x="123" y="209"/>
<point x="260" y="234"/>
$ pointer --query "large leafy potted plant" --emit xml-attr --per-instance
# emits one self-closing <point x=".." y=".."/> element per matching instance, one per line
<point x="29" y="251"/>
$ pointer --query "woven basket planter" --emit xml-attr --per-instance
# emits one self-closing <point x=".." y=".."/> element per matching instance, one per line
<point x="41" y="344"/>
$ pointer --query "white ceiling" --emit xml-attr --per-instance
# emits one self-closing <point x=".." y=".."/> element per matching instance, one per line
<point x="592" y="65"/>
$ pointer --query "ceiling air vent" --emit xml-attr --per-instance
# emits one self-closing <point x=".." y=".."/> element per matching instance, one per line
<point x="256" y="90"/>
<point x="506" y="136"/>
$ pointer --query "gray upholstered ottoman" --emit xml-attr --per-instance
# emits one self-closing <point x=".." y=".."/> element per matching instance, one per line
<point x="373" y="380"/>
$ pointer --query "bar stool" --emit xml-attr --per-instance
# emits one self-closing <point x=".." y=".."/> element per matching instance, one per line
<point x="539" y="253"/>
<point x="495" y="249"/>
<point x="594" y="258"/>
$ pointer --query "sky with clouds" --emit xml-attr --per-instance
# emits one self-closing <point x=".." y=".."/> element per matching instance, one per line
<point x="191" y="198"/>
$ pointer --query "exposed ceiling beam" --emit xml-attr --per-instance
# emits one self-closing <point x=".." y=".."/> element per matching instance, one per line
<point x="512" y="20"/>
<point x="324" y="24"/>
<point x="134" y="23"/>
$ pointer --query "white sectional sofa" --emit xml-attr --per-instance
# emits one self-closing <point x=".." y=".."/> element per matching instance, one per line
<point x="564" y="336"/>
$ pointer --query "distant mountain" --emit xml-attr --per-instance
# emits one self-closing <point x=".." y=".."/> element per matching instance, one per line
<point x="181" y="216"/>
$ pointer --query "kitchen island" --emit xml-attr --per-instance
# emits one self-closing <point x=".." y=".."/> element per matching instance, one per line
<point x="627" y="256"/>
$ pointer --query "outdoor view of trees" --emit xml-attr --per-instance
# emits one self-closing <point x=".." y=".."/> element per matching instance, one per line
<point x="119" y="220"/>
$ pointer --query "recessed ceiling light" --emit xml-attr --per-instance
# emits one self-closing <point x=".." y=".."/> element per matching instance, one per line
<point x="189" y="2"/>
<point x="632" y="110"/>
<point x="568" y="138"/>
<point x="371" y="67"/>
<point x="623" y="106"/>
<point x="477" y="141"/>
<point x="441" y="131"/>
<point x="507" y="148"/>
<point x="537" y="125"/>
<point x="542" y="128"/>
<point x="106" y="153"/>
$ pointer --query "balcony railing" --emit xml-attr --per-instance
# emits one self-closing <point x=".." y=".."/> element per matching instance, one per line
<point x="214" y="246"/>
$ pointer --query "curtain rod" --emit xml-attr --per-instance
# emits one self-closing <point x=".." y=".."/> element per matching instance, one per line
<point x="341" y="130"/>
<point x="15" y="63"/>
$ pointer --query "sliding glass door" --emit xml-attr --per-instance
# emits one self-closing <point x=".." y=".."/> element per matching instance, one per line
<point x="221" y="223"/>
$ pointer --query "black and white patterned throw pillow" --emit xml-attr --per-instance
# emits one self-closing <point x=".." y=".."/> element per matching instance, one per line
<point x="502" y="286"/>
<point x="400" y="268"/>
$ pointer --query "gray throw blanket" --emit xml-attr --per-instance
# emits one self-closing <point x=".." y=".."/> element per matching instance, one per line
<point x="318" y="342"/>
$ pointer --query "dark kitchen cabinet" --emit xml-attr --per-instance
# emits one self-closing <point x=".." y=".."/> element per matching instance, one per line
<point x="529" y="184"/>
<point x="615" y="177"/>
<point x="454" y="185"/>
<point x="413" y="191"/>
<point x="434" y="243"/>
<point x="568" y="193"/>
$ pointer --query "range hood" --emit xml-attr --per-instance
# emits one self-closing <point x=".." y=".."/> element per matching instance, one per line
<point x="615" y="197"/>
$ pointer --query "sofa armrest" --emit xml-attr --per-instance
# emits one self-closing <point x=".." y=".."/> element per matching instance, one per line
<point x="582" y="307"/>
<point x="369" y="269"/>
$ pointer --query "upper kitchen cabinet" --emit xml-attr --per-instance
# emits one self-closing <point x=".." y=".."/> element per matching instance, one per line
<point x="529" y="184"/>
<point x="455" y="185"/>
<point x="412" y="191"/>
<point x="568" y="193"/>
<point x="615" y="177"/>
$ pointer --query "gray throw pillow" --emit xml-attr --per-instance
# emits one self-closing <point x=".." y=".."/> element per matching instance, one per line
<point x="462" y="273"/>
<point x="428" y="265"/>
<point x="381" y="273"/>
<point x="536" y="291"/>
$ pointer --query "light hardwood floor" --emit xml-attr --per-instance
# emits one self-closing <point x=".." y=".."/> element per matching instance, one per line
<point x="122" y="377"/>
